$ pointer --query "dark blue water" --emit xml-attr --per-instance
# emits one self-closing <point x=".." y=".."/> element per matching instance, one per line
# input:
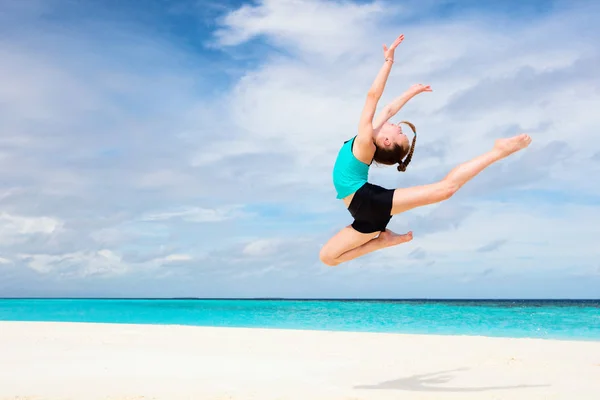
<point x="521" y="318"/>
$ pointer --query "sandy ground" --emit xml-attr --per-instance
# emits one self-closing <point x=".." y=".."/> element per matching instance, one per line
<point x="103" y="361"/>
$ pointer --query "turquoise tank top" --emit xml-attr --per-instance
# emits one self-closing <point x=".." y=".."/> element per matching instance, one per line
<point x="349" y="173"/>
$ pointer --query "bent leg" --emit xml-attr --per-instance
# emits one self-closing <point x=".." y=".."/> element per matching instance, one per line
<point x="345" y="240"/>
<point x="409" y="198"/>
<point x="349" y="244"/>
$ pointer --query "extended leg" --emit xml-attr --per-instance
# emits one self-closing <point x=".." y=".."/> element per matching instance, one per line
<point x="349" y="244"/>
<point x="409" y="198"/>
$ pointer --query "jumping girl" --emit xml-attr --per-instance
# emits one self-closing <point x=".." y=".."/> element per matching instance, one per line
<point x="372" y="206"/>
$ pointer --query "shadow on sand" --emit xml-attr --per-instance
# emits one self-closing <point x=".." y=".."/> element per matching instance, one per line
<point x="428" y="382"/>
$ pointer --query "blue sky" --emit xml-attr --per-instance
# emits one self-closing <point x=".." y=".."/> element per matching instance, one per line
<point x="184" y="148"/>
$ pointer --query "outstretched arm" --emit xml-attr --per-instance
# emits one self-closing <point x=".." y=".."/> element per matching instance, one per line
<point x="392" y="108"/>
<point x="364" y="139"/>
<point x="365" y="127"/>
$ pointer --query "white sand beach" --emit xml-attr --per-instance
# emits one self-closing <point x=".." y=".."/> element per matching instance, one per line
<point x="41" y="361"/>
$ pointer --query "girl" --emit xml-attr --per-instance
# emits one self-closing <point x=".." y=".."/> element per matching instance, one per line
<point x="372" y="206"/>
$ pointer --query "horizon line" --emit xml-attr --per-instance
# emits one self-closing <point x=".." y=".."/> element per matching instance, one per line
<point x="303" y="298"/>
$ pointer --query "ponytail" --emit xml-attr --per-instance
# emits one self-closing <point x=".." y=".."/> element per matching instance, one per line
<point x="403" y="164"/>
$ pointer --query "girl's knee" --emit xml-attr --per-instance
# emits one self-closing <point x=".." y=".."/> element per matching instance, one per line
<point x="328" y="260"/>
<point x="447" y="189"/>
<point x="327" y="257"/>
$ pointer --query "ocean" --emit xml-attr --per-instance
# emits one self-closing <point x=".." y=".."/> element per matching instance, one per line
<point x="550" y="319"/>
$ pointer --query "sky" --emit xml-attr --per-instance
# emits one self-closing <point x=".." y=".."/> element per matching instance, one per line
<point x="184" y="148"/>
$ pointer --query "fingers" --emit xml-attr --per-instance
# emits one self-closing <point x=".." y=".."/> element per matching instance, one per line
<point x="422" y="88"/>
<point x="398" y="41"/>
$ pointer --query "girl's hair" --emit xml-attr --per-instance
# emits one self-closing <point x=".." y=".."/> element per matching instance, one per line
<point x="397" y="153"/>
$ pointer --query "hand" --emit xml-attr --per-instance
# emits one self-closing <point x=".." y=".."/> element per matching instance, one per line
<point x="389" y="53"/>
<point x="419" y="88"/>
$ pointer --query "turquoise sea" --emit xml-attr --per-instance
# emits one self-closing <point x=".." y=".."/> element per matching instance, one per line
<point x="552" y="319"/>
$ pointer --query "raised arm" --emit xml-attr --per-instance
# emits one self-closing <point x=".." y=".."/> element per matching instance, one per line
<point x="365" y="127"/>
<point x="364" y="139"/>
<point x="393" y="107"/>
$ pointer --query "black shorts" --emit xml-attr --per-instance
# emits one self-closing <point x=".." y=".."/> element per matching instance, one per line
<point x="371" y="208"/>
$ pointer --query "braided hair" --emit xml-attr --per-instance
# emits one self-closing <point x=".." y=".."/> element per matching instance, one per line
<point x="403" y="164"/>
<point x="397" y="153"/>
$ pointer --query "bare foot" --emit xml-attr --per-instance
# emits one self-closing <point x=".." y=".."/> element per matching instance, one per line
<point x="390" y="238"/>
<point x="510" y="145"/>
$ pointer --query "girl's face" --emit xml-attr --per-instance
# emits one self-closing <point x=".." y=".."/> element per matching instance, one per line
<point x="390" y="135"/>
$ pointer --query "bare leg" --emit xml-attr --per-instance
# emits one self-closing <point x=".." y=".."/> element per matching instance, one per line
<point x="342" y="248"/>
<point x="409" y="198"/>
<point x="385" y="239"/>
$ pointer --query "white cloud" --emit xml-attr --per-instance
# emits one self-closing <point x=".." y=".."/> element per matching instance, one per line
<point x="178" y="257"/>
<point x="309" y="26"/>
<point x="79" y="264"/>
<point x="17" y="228"/>
<point x="198" y="214"/>
<point x="262" y="247"/>
<point x="105" y="263"/>
<point x="16" y="224"/>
